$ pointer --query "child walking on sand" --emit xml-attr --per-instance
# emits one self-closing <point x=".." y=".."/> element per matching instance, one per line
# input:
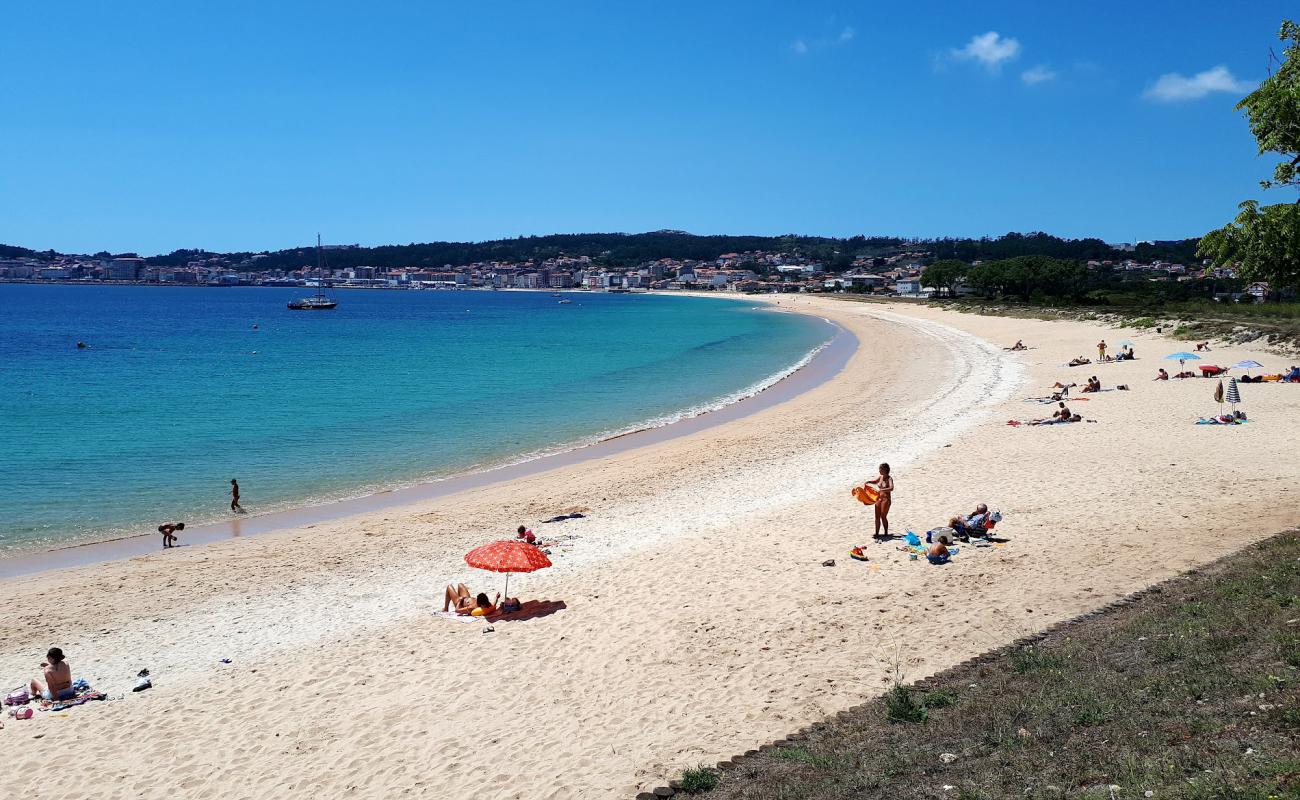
<point x="886" y="486"/>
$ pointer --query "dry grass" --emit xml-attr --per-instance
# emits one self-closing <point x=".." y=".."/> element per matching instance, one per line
<point x="1191" y="693"/>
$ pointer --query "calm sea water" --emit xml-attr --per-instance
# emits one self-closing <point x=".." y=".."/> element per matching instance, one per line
<point x="179" y="390"/>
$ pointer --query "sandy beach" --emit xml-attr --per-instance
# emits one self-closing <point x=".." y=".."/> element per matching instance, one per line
<point x="697" y="619"/>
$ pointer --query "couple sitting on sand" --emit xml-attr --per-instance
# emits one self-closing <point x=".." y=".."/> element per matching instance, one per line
<point x="1093" y="385"/>
<point x="467" y="603"/>
<point x="1062" y="414"/>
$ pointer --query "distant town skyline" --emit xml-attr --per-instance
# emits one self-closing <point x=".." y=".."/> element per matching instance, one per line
<point x="149" y="127"/>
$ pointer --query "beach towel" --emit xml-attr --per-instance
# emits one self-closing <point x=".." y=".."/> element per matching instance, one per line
<point x="1221" y="421"/>
<point x="84" y="697"/>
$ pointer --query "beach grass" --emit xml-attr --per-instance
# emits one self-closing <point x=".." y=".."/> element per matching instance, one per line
<point x="1191" y="692"/>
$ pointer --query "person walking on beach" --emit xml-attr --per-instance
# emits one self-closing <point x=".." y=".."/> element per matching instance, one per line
<point x="168" y="531"/>
<point x="885" y="484"/>
<point x="234" y="497"/>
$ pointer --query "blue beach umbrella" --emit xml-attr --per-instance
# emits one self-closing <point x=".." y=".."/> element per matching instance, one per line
<point x="1247" y="365"/>
<point x="1182" y="357"/>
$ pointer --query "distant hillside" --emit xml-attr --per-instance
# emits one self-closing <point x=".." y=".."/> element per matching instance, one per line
<point x="10" y="251"/>
<point x="630" y="249"/>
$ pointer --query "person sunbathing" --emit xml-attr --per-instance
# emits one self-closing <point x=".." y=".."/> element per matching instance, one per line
<point x="466" y="602"/>
<point x="1162" y="375"/>
<point x="1186" y="374"/>
<point x="1063" y="413"/>
<point x="1093" y="385"/>
<point x="1079" y="361"/>
<point x="1292" y="376"/>
<point x="1019" y="345"/>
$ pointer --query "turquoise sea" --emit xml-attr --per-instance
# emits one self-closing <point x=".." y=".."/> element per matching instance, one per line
<point x="180" y="390"/>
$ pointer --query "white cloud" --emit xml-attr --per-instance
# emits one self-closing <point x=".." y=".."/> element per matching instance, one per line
<point x="1173" y="86"/>
<point x="1039" y="74"/>
<point x="990" y="49"/>
<point x="804" y="46"/>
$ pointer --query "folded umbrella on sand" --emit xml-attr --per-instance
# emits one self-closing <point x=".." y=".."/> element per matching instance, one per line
<point x="507" y="556"/>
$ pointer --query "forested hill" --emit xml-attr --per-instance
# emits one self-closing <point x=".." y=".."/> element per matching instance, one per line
<point x="625" y="250"/>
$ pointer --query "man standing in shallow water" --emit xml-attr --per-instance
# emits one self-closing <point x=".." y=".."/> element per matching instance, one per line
<point x="234" y="497"/>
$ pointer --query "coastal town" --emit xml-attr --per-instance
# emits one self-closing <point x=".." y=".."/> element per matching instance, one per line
<point x="897" y="274"/>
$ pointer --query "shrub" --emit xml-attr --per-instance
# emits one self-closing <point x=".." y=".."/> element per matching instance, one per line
<point x="699" y="780"/>
<point x="901" y="707"/>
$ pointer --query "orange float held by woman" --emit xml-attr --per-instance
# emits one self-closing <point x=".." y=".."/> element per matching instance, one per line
<point x="867" y="495"/>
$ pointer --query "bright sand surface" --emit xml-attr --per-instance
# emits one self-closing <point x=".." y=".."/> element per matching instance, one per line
<point x="698" y="620"/>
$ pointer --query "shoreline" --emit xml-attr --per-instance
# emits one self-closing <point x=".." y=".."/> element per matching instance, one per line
<point x="693" y="617"/>
<point x="816" y="367"/>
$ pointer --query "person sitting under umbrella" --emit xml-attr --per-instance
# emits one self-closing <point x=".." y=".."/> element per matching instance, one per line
<point x="466" y="602"/>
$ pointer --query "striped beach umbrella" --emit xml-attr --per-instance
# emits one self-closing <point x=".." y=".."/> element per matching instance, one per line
<point x="1247" y="365"/>
<point x="1234" y="396"/>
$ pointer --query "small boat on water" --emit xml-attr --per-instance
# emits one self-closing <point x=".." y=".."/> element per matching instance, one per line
<point x="562" y="302"/>
<point x="318" y="301"/>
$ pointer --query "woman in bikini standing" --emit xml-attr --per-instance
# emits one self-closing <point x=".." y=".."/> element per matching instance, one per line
<point x="885" y="484"/>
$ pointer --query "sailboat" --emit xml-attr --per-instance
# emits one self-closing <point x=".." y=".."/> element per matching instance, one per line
<point x="318" y="301"/>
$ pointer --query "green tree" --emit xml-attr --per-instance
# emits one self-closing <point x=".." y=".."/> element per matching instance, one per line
<point x="1264" y="241"/>
<point x="944" y="275"/>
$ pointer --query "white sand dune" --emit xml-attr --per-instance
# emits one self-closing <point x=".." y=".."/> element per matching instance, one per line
<point x="698" y="621"/>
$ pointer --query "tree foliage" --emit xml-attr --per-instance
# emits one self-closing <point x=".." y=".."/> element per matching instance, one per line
<point x="1274" y="111"/>
<point x="944" y="275"/>
<point x="1264" y="241"/>
<point x="1027" y="276"/>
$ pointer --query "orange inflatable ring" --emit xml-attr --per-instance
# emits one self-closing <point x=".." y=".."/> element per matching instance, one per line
<point x="867" y="495"/>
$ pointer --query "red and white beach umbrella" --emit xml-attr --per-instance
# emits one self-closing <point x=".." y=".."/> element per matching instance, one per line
<point x="508" y="556"/>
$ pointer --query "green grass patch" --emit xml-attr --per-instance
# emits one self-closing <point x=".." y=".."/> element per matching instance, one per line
<point x="699" y="780"/>
<point x="1034" y="659"/>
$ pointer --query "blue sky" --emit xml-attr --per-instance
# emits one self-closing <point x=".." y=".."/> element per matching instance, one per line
<point x="239" y="125"/>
